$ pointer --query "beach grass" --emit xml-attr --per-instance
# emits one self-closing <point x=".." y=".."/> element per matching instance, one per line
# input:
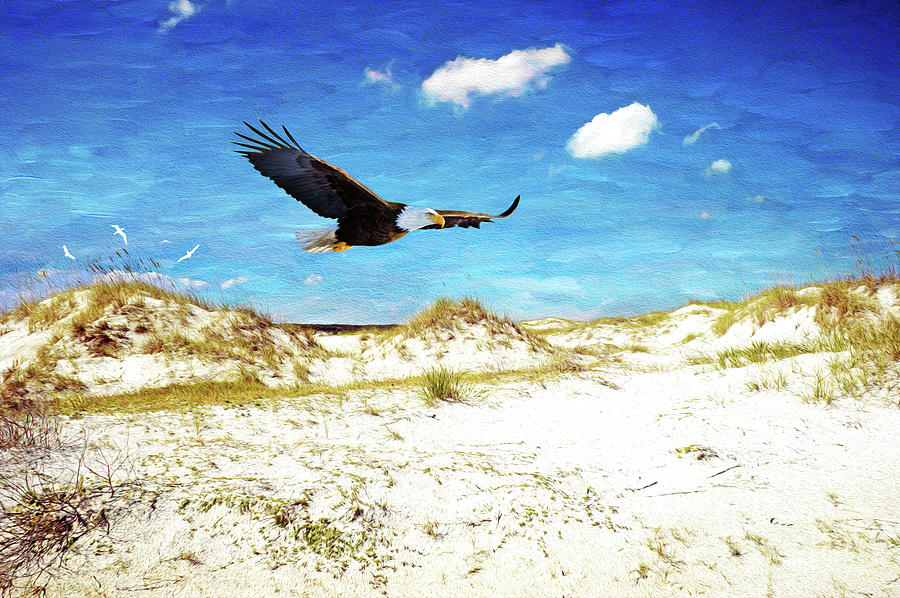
<point x="442" y="384"/>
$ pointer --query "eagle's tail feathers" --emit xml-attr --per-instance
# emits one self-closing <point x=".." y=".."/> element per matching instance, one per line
<point x="317" y="241"/>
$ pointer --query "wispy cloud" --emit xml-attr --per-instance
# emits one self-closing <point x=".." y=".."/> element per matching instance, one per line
<point x="508" y="76"/>
<point x="181" y="9"/>
<point x="383" y="78"/>
<point x="312" y="279"/>
<point x="232" y="281"/>
<point x="191" y="283"/>
<point x="552" y="170"/>
<point x="720" y="166"/>
<point x="156" y="278"/>
<point x="536" y="286"/>
<point x="693" y="137"/>
<point x="615" y="133"/>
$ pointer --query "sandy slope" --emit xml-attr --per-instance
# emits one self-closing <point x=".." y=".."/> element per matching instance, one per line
<point x="644" y="476"/>
<point x="572" y="489"/>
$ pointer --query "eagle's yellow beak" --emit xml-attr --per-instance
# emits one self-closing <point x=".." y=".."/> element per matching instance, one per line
<point x="437" y="219"/>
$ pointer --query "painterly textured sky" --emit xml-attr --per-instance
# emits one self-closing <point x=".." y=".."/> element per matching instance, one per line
<point x="664" y="151"/>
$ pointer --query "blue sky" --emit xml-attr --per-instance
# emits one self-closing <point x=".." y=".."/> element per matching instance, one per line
<point x="664" y="151"/>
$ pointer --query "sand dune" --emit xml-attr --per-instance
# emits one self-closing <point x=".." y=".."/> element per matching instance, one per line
<point x="720" y="449"/>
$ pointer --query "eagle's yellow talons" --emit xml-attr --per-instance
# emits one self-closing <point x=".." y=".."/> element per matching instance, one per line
<point x="340" y="246"/>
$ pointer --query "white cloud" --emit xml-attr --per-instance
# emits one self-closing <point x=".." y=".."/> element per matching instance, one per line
<point x="719" y="166"/>
<point x="384" y="77"/>
<point x="181" y="9"/>
<point x="624" y="129"/>
<point x="508" y="76"/>
<point x="693" y="137"/>
<point x="232" y="281"/>
<point x="375" y="76"/>
<point x="313" y="279"/>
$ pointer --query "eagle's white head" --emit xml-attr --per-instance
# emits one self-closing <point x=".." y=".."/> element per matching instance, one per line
<point x="411" y="218"/>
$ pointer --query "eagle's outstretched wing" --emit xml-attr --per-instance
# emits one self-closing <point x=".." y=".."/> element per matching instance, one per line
<point x="467" y="219"/>
<point x="325" y="189"/>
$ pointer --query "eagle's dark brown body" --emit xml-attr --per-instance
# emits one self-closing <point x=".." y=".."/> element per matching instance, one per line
<point x="369" y="225"/>
<point x="363" y="217"/>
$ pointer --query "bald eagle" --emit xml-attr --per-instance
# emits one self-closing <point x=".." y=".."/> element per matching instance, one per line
<point x="363" y="217"/>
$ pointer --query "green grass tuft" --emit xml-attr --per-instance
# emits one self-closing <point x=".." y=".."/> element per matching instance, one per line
<point x="443" y="384"/>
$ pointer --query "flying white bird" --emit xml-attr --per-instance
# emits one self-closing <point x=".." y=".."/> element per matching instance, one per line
<point x="68" y="255"/>
<point x="119" y="231"/>
<point x="164" y="241"/>
<point x="189" y="253"/>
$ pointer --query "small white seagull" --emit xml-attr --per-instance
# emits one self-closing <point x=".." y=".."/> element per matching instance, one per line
<point x="164" y="241"/>
<point x="119" y="231"/>
<point x="189" y="253"/>
<point x="68" y="255"/>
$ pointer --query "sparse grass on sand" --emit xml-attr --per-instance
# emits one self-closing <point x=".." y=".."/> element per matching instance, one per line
<point x="863" y="348"/>
<point x="853" y="326"/>
<point x="757" y="352"/>
<point x="761" y="308"/>
<point x="444" y="311"/>
<point x="451" y="315"/>
<point x="119" y="318"/>
<point x="836" y="303"/>
<point x="841" y="308"/>
<point x="634" y="323"/>
<point x="245" y="390"/>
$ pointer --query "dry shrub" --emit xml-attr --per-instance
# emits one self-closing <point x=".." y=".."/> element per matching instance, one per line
<point x="103" y="340"/>
<point x="43" y="516"/>
<point x="40" y="520"/>
<point x="29" y="423"/>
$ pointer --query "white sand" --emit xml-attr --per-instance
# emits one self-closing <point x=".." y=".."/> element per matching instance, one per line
<point x="563" y="490"/>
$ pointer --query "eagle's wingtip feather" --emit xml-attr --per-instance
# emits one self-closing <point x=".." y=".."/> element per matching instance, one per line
<point x="275" y="135"/>
<point x="275" y="144"/>
<point x="291" y="137"/>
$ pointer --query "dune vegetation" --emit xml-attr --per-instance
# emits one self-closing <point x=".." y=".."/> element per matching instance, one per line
<point x="99" y="381"/>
